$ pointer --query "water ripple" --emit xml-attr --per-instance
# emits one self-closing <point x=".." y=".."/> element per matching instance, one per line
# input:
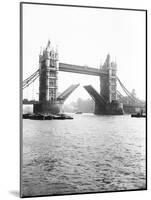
<point x="88" y="154"/>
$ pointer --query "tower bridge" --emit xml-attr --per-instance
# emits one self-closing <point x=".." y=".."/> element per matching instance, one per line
<point x="108" y="101"/>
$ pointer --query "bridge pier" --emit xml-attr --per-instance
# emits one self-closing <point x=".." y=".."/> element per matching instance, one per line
<point x="46" y="108"/>
<point x="99" y="109"/>
<point x="113" y="108"/>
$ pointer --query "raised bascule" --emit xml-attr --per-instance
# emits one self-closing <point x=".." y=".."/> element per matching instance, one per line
<point x="109" y="101"/>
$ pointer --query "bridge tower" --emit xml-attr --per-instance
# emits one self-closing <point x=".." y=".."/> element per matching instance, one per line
<point x="108" y="88"/>
<point x="48" y="71"/>
<point x="108" y="82"/>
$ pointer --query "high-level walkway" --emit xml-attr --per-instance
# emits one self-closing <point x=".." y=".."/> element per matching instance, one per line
<point x="81" y="69"/>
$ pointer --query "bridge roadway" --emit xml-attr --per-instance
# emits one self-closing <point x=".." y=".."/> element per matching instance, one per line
<point x="81" y="69"/>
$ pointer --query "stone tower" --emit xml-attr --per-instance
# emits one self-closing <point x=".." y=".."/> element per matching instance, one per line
<point x="108" y="88"/>
<point x="48" y="71"/>
<point x="108" y="82"/>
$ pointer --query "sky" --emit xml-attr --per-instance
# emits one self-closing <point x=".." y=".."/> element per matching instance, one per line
<point x="84" y="36"/>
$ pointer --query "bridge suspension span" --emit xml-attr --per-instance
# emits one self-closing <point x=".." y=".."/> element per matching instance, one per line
<point x="132" y="99"/>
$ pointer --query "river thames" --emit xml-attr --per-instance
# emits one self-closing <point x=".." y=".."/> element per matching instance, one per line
<point x="87" y="154"/>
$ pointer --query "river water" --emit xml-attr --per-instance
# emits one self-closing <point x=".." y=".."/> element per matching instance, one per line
<point x="87" y="154"/>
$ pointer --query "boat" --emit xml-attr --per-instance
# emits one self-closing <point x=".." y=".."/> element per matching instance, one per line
<point x="62" y="116"/>
<point x="138" y="115"/>
<point x="79" y="112"/>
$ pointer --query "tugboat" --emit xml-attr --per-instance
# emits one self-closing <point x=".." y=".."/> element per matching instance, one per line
<point x="62" y="116"/>
<point x="79" y="112"/>
<point x="139" y="114"/>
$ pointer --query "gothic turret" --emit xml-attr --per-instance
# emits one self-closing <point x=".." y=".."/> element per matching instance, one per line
<point x="107" y="63"/>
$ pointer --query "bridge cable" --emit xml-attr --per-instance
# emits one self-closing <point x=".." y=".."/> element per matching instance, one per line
<point x="26" y="81"/>
<point x="135" y="100"/>
<point x="30" y="81"/>
<point x="31" y="76"/>
<point x="121" y="97"/>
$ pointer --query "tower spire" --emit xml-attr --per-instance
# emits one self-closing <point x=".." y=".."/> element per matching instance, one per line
<point x="108" y="59"/>
<point x="107" y="63"/>
<point x="48" y="46"/>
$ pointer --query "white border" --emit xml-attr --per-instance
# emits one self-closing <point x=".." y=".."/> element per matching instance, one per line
<point x="9" y="100"/>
